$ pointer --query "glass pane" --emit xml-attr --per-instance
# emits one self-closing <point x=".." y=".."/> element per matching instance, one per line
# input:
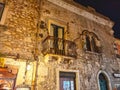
<point x="67" y="83"/>
<point x="60" y="33"/>
<point x="51" y="30"/>
<point x="72" y="85"/>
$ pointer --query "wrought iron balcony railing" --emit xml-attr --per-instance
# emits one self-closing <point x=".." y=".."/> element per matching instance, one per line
<point x="59" y="46"/>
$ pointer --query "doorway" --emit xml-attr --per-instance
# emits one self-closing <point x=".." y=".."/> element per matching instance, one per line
<point x="58" y="38"/>
<point x="67" y="81"/>
<point x="103" y="82"/>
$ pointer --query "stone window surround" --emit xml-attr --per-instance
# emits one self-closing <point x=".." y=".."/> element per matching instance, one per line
<point x="66" y="70"/>
<point x="57" y="22"/>
<point x="90" y="35"/>
<point x="108" y="78"/>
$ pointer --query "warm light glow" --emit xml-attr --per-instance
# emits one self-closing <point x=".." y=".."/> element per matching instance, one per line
<point x="28" y="67"/>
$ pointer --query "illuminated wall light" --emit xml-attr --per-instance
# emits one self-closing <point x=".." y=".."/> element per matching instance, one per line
<point x="28" y="67"/>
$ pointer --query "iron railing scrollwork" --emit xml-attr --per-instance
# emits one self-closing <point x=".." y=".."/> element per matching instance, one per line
<point x="59" y="46"/>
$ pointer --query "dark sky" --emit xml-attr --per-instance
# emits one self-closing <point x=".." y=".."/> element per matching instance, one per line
<point x="109" y="8"/>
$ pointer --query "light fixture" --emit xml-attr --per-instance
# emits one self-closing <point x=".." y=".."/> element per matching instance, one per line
<point x="28" y="67"/>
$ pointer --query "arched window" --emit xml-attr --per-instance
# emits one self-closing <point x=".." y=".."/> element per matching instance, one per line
<point x="103" y="82"/>
<point x="90" y="42"/>
<point x="88" y="46"/>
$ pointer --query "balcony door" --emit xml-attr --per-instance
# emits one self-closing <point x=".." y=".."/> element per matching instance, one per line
<point x="58" y="38"/>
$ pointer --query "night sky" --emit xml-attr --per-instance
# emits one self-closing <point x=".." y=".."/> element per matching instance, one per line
<point x="109" y="8"/>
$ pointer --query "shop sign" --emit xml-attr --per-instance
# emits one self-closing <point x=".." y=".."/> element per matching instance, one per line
<point x="116" y="75"/>
<point x="2" y="62"/>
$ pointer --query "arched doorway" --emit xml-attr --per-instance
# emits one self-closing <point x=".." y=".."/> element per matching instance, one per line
<point x="103" y="81"/>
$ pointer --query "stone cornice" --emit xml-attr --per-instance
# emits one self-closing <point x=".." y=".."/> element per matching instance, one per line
<point x="82" y="12"/>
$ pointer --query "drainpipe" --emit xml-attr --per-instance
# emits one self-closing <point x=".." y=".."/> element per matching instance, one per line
<point x="36" y="73"/>
<point x="36" y="46"/>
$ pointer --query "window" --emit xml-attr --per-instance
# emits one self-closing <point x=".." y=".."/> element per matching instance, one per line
<point x="56" y="28"/>
<point x="1" y="9"/>
<point x="90" y="42"/>
<point x="57" y="36"/>
<point x="67" y="81"/>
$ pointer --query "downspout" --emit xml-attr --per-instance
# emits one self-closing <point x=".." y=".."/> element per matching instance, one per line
<point x="39" y="2"/>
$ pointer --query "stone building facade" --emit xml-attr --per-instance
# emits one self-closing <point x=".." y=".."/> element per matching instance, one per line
<point x="58" y="45"/>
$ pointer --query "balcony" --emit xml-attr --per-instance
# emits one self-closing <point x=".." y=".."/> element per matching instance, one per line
<point x="58" y="46"/>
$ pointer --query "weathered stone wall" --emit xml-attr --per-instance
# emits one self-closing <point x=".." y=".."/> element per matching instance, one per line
<point x="19" y="34"/>
<point x="88" y="65"/>
<point x="88" y="70"/>
<point x="79" y="23"/>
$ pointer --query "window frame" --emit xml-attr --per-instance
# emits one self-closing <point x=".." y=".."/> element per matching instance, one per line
<point x="77" y="81"/>
<point x="58" y="23"/>
<point x="2" y="7"/>
<point x="90" y="45"/>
